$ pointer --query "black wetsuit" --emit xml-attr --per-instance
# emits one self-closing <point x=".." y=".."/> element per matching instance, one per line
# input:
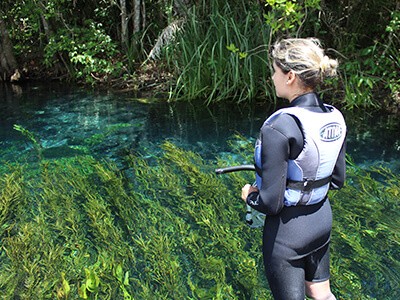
<point x="296" y="238"/>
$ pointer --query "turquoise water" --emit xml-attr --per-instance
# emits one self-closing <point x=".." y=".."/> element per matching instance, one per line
<point x="67" y="120"/>
<point x="110" y="125"/>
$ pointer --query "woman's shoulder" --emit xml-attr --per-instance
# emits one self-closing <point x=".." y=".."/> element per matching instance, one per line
<point x="285" y="123"/>
<point x="281" y="118"/>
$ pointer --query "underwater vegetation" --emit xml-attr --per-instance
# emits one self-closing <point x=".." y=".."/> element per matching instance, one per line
<point x="167" y="227"/>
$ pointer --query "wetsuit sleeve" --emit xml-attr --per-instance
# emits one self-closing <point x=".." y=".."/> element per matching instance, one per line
<point x="281" y="141"/>
<point x="339" y="172"/>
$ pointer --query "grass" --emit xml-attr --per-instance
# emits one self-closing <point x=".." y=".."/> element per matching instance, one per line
<point x="168" y="228"/>
<point x="224" y="56"/>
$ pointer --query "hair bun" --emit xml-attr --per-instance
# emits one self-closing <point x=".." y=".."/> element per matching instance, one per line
<point x="328" y="66"/>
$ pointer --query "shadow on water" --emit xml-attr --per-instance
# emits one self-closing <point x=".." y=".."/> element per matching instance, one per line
<point x="77" y="226"/>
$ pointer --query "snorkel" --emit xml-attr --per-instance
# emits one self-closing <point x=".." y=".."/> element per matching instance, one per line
<point x="235" y="169"/>
<point x="254" y="219"/>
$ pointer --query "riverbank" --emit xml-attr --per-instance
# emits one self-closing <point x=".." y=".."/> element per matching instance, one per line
<point x="149" y="81"/>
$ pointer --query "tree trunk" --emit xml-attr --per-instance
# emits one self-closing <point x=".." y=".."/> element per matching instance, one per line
<point x="136" y="16"/>
<point x="124" y="23"/>
<point x="143" y="14"/>
<point x="8" y="63"/>
<point x="46" y="27"/>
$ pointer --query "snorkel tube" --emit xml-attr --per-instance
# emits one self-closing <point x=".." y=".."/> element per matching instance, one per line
<point x="235" y="169"/>
<point x="254" y="218"/>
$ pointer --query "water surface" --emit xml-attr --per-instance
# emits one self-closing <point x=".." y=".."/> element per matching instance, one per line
<point x="66" y="118"/>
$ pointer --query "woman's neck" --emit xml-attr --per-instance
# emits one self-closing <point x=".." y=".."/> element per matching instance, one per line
<point x="299" y="92"/>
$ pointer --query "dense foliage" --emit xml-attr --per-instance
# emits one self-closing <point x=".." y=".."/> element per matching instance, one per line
<point x="211" y="49"/>
<point x="168" y="228"/>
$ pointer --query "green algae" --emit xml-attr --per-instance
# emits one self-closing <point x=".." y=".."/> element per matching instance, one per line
<point x="168" y="228"/>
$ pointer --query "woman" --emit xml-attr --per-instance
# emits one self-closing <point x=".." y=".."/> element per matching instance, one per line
<point x="299" y="156"/>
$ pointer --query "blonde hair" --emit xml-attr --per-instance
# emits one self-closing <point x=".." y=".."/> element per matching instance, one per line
<point x="305" y="58"/>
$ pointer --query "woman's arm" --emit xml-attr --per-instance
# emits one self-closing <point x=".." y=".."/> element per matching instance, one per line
<point x="282" y="140"/>
<point x="339" y="172"/>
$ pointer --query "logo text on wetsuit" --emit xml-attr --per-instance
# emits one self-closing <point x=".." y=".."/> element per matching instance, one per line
<point x="331" y="132"/>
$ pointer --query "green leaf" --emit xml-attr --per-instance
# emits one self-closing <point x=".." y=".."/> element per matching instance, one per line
<point x="242" y="55"/>
<point x="232" y="48"/>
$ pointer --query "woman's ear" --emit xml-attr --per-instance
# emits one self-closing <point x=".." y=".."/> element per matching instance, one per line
<point x="291" y="76"/>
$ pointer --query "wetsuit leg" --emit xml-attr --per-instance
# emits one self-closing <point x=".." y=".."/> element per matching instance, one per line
<point x="317" y="265"/>
<point x="286" y="279"/>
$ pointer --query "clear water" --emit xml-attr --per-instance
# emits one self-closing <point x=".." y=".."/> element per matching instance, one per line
<point x="68" y="121"/>
<point x="65" y="119"/>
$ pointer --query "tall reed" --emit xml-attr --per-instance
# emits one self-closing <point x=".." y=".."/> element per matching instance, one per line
<point x="221" y="54"/>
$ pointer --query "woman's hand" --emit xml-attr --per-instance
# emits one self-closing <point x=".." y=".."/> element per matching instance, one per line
<point x="248" y="189"/>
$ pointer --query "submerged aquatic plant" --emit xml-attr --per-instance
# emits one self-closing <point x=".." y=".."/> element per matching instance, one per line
<point x="109" y="130"/>
<point x="31" y="137"/>
<point x="366" y="240"/>
<point x="168" y="228"/>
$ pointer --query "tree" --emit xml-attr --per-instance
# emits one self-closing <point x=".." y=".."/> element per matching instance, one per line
<point x="8" y="63"/>
<point x="124" y="22"/>
<point x="136" y="16"/>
